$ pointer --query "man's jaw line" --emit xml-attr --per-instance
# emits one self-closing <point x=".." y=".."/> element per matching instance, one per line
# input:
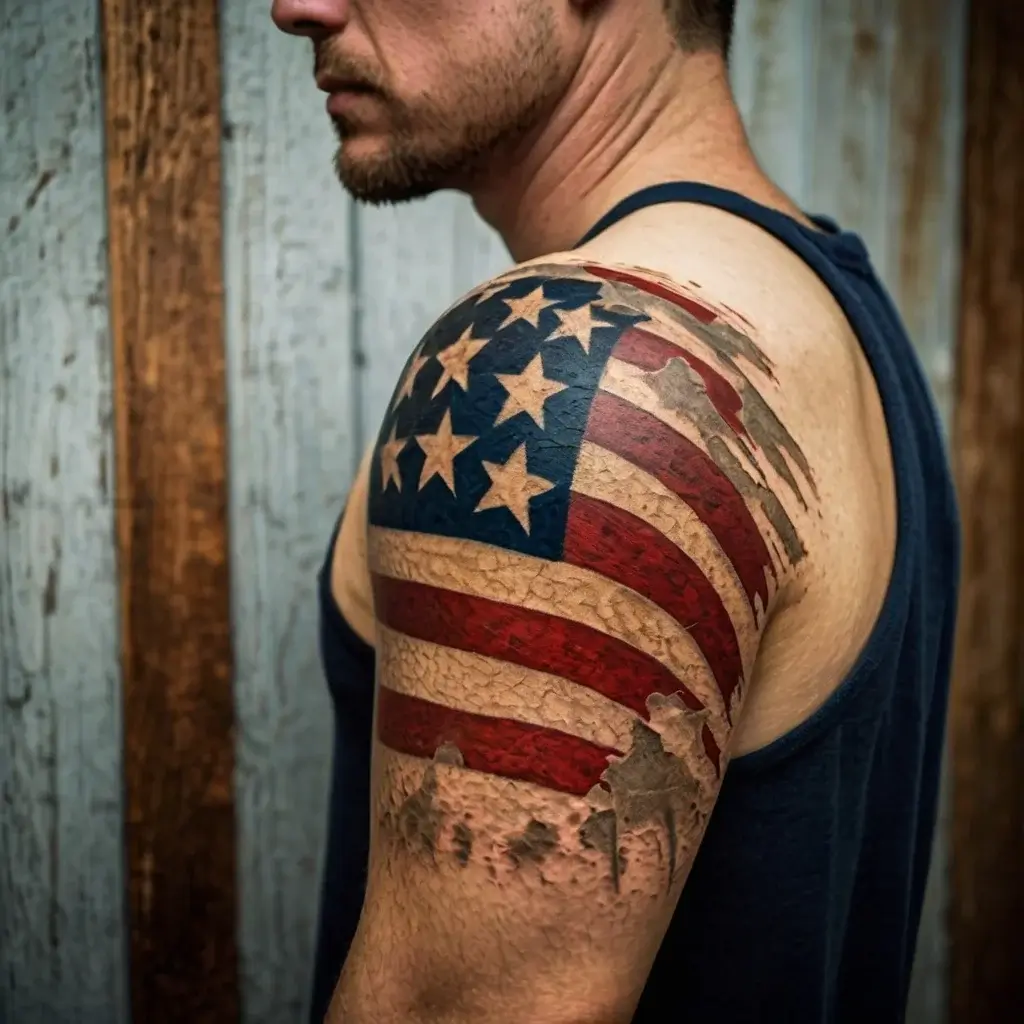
<point x="605" y="140"/>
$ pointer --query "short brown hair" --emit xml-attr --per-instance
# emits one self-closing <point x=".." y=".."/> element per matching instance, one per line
<point x="702" y="24"/>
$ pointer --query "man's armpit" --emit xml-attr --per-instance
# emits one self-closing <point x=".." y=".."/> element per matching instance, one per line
<point x="582" y="508"/>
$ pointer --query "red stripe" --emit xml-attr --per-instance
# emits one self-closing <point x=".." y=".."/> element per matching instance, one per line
<point x="606" y="539"/>
<point x="533" y="639"/>
<point x="662" y="291"/>
<point x="498" y="746"/>
<point x="687" y="471"/>
<point x="652" y="352"/>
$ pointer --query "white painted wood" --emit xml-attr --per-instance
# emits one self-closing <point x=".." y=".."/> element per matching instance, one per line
<point x="62" y="943"/>
<point x="871" y="100"/>
<point x="293" y="441"/>
<point x="414" y="261"/>
<point x="847" y="138"/>
<point x="772" y="61"/>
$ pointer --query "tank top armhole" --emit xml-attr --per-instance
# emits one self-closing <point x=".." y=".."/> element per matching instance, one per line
<point x="333" y="619"/>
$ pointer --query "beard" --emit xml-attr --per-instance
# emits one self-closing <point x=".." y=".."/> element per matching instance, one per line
<point x="404" y="149"/>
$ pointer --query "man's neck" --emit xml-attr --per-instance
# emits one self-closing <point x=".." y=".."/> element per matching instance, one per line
<point x="619" y="128"/>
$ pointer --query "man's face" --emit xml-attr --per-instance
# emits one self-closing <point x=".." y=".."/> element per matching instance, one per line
<point x="430" y="94"/>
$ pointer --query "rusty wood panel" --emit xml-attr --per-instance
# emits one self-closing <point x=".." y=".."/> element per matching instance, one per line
<point x="162" y="93"/>
<point x="987" y="722"/>
<point x="289" y="307"/>
<point x="62" y="955"/>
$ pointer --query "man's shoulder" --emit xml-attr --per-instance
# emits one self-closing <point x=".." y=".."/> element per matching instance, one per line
<point x="736" y="417"/>
<point x="745" y="340"/>
<point x="570" y="373"/>
<point x="749" y="283"/>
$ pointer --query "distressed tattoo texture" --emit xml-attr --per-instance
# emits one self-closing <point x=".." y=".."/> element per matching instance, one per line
<point x="580" y="510"/>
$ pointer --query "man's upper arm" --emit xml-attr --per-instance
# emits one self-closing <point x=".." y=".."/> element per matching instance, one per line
<point x="578" y="524"/>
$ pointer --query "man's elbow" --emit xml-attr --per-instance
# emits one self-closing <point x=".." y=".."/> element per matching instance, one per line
<point x="448" y="994"/>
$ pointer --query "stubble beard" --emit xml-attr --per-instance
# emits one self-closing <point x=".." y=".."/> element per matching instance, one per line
<point x="454" y="139"/>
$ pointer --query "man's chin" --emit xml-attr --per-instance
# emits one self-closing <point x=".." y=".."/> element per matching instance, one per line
<point x="373" y="177"/>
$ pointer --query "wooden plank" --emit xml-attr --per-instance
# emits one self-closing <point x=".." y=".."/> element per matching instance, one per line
<point x="62" y="955"/>
<point x="987" y="719"/>
<point x="921" y="245"/>
<point x="162" y="93"/>
<point x="867" y="129"/>
<point x="922" y="269"/>
<point x="289" y="309"/>
<point x="413" y="261"/>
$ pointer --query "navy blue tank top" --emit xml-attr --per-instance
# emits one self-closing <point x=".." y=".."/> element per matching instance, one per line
<point x="804" y="900"/>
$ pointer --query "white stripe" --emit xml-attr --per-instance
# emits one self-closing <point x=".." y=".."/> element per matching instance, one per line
<point x="608" y="477"/>
<point x="554" y="588"/>
<point x="482" y="685"/>
<point x="626" y="381"/>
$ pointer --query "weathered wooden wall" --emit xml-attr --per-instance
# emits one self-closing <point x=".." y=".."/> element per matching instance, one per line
<point x="853" y="104"/>
<point x="62" y="940"/>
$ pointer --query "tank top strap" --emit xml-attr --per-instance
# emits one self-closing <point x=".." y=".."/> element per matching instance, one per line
<point x="837" y="246"/>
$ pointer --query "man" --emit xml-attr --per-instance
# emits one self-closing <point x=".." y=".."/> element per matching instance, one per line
<point x="643" y="598"/>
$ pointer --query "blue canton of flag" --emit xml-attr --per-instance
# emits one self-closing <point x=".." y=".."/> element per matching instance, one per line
<point x="483" y="433"/>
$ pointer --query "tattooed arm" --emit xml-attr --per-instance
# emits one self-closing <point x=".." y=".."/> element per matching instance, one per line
<point x="578" y="528"/>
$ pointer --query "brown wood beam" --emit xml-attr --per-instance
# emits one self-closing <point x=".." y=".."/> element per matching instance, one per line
<point x="162" y="95"/>
<point x="987" y="712"/>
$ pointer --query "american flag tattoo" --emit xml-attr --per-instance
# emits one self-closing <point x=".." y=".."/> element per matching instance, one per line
<point x="555" y="444"/>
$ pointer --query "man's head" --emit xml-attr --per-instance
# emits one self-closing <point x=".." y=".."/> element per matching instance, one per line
<point x="430" y="94"/>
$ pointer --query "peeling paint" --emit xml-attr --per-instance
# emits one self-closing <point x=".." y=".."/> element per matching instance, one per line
<point x="462" y="837"/>
<point x="533" y="844"/>
<point x="664" y="781"/>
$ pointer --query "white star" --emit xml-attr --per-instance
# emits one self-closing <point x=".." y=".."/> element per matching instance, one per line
<point x="576" y="323"/>
<point x="456" y="359"/>
<point x="529" y="308"/>
<point x="512" y="487"/>
<point x="389" y="452"/>
<point x="527" y="392"/>
<point x="440" y="449"/>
